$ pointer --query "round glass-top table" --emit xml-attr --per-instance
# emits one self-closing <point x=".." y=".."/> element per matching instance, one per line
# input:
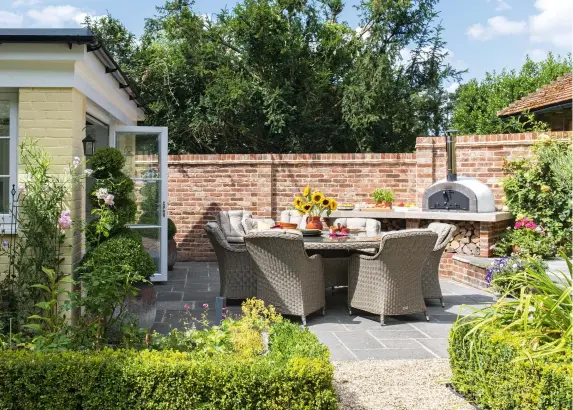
<point x="351" y="242"/>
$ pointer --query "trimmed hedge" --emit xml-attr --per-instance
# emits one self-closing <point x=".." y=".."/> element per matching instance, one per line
<point x="486" y="373"/>
<point x="126" y="379"/>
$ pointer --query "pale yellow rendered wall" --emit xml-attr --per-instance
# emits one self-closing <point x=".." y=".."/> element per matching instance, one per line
<point x="55" y="118"/>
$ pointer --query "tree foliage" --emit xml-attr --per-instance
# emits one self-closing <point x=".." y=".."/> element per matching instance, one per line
<point x="477" y="102"/>
<point x="288" y="76"/>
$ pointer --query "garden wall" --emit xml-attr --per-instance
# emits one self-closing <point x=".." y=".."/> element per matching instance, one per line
<point x="202" y="185"/>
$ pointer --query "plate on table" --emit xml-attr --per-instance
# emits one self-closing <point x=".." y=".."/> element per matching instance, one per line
<point x="311" y="232"/>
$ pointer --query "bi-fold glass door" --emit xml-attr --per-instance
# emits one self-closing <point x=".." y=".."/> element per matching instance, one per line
<point x="145" y="152"/>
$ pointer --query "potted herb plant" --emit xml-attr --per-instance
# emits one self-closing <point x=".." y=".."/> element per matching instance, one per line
<point x="171" y="244"/>
<point x="383" y="198"/>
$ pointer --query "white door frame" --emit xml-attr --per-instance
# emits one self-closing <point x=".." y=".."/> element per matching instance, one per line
<point x="163" y="157"/>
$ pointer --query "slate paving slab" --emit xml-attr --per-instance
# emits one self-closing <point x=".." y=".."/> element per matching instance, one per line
<point x="349" y="338"/>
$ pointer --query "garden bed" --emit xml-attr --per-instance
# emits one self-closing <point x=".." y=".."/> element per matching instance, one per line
<point x="295" y="374"/>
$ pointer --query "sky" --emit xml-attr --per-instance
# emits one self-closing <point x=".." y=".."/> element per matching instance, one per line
<point x="481" y="35"/>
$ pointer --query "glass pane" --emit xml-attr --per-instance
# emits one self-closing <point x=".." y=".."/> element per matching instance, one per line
<point x="4" y="194"/>
<point x="141" y="153"/>
<point x="148" y="199"/>
<point x="151" y="241"/>
<point x="4" y="156"/>
<point x="4" y="118"/>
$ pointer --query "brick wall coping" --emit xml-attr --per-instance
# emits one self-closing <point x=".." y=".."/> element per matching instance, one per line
<point x="502" y="139"/>
<point x="268" y="159"/>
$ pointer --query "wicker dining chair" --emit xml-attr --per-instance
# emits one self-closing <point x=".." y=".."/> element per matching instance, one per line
<point x="336" y="268"/>
<point x="430" y="275"/>
<point x="390" y="282"/>
<point x="238" y="280"/>
<point x="287" y="278"/>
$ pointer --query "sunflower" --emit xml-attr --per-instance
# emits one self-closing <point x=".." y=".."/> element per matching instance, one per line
<point x="317" y="197"/>
<point x="333" y="204"/>
<point x="306" y="191"/>
<point x="325" y="202"/>
<point x="297" y="202"/>
<point x="307" y="207"/>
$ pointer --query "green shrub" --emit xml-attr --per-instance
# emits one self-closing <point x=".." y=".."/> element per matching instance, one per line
<point x="489" y="371"/>
<point x="106" y="162"/>
<point x="127" y="379"/>
<point x="124" y="249"/>
<point x="171" y="229"/>
<point x="540" y="188"/>
<point x="526" y="243"/>
<point x="516" y="354"/>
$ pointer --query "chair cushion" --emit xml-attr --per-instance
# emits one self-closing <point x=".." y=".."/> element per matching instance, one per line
<point x="371" y="226"/>
<point x="257" y="224"/>
<point x="293" y="217"/>
<point x="231" y="224"/>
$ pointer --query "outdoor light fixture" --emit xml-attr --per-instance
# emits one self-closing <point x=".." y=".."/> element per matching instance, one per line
<point x="89" y="144"/>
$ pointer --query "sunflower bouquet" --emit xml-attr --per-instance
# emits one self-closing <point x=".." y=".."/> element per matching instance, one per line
<point x="314" y="203"/>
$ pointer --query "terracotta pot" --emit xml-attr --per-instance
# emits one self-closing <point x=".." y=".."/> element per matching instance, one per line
<point x="171" y="254"/>
<point x="313" y="222"/>
<point x="384" y="204"/>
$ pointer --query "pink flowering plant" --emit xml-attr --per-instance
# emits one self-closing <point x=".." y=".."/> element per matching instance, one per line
<point x="41" y="213"/>
<point x="525" y="239"/>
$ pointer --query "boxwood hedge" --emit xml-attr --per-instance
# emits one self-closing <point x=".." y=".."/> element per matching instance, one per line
<point x="486" y="373"/>
<point x="294" y="375"/>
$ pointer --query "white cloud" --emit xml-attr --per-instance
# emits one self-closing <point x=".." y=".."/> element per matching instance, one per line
<point x="553" y="23"/>
<point x="502" y="6"/>
<point x="537" y="54"/>
<point x="496" y="26"/>
<point x="452" y="87"/>
<point x="58" y="16"/>
<point x="26" y="3"/>
<point x="9" y="19"/>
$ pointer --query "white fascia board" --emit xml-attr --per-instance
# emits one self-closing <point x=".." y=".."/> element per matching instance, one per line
<point x="26" y="73"/>
<point x="40" y="52"/>
<point x="92" y="80"/>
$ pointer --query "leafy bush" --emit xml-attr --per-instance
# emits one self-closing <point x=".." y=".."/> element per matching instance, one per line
<point x="124" y="250"/>
<point x="499" y="274"/>
<point x="539" y="188"/>
<point x="489" y="372"/>
<point x="298" y="376"/>
<point x="171" y="229"/>
<point x="106" y="162"/>
<point x="516" y="354"/>
<point x="526" y="239"/>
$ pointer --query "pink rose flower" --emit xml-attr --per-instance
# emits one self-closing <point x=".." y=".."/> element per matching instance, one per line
<point x="205" y="305"/>
<point x="186" y="306"/>
<point x="64" y="220"/>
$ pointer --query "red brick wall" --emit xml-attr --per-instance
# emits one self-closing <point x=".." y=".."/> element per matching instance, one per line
<point x="202" y="185"/>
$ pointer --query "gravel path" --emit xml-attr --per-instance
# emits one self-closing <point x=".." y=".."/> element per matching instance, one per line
<point x="395" y="385"/>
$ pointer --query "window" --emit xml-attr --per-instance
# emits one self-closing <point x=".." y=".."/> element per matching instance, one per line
<point x="8" y="151"/>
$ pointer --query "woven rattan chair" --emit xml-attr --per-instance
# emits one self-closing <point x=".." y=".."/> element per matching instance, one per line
<point x="430" y="275"/>
<point x="287" y="278"/>
<point x="238" y="280"/>
<point x="336" y="268"/>
<point x="390" y="282"/>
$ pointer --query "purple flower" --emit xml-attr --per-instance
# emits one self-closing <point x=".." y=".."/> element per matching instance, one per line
<point x="224" y="316"/>
<point x="489" y="276"/>
<point x="5" y="244"/>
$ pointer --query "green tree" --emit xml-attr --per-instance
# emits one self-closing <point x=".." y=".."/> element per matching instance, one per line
<point x="288" y="76"/>
<point x="476" y="103"/>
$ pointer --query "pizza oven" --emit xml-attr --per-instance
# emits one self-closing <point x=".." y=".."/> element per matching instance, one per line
<point x="457" y="193"/>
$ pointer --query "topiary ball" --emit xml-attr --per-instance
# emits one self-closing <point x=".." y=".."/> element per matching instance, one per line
<point x="106" y="162"/>
<point x="124" y="248"/>
<point x="171" y="228"/>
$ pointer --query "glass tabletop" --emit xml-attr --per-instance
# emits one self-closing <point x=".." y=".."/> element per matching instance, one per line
<point x="326" y="241"/>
